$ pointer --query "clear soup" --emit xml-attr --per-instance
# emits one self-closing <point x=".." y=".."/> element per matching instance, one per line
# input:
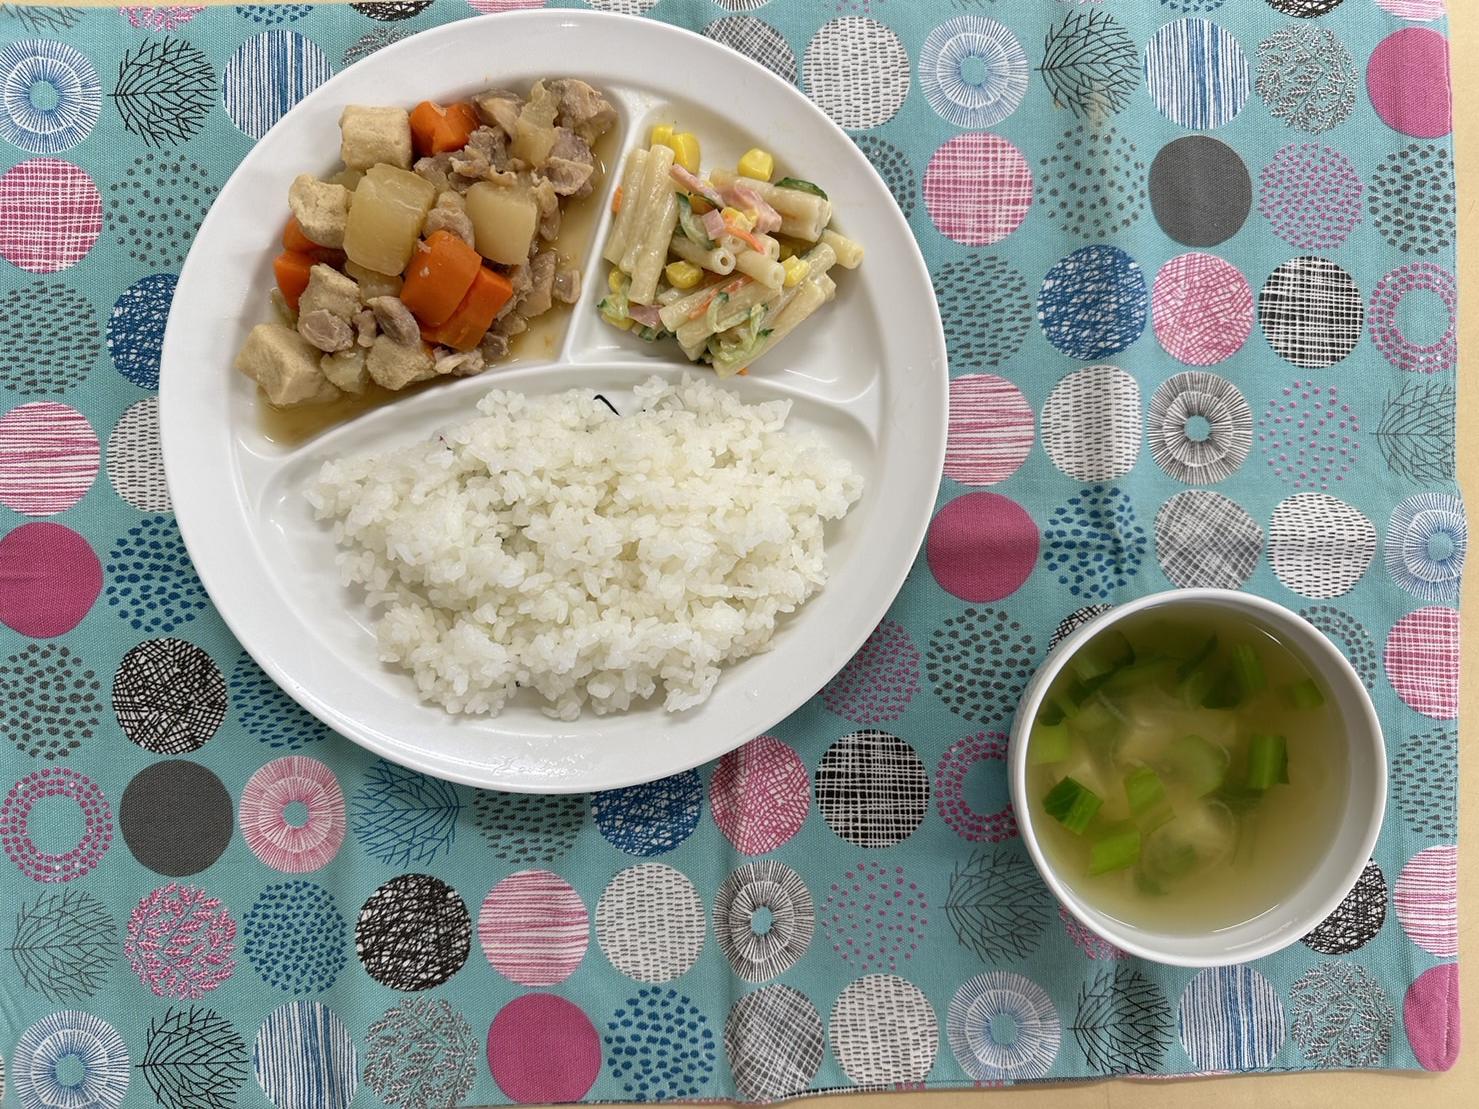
<point x="1187" y="770"/>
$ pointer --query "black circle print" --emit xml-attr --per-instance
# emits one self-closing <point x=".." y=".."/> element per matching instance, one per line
<point x="1312" y="312"/>
<point x="1200" y="191"/>
<point x="1304" y="9"/>
<point x="872" y="789"/>
<point x="1356" y="920"/>
<point x="48" y="700"/>
<point x="169" y="696"/>
<point x="413" y="933"/>
<point x="393" y="11"/>
<point x="979" y="663"/>
<point x="176" y="817"/>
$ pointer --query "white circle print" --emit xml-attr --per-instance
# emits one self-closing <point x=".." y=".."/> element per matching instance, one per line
<point x="1320" y="546"/>
<point x="650" y="923"/>
<point x="1002" y="1026"/>
<point x="884" y="1031"/>
<point x="973" y="71"/>
<point x="1091" y="423"/>
<point x="857" y="71"/>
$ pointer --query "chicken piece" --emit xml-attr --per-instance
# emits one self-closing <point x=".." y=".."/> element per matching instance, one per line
<point x="449" y="214"/>
<point x="371" y="135"/>
<point x="493" y="347"/>
<point x="457" y="363"/>
<point x="330" y="291"/>
<point x="549" y="209"/>
<point x="320" y="208"/>
<point x="346" y="369"/>
<point x="582" y="109"/>
<point x="540" y="296"/>
<point x="470" y="163"/>
<point x="395" y="320"/>
<point x="567" y="282"/>
<point x="326" y="331"/>
<point x="510" y="325"/>
<point x="436" y="168"/>
<point x="396" y="365"/>
<point x="365" y="328"/>
<point x="571" y="165"/>
<point x="499" y="108"/>
<point x="285" y="365"/>
<point x="518" y="279"/>
<point x="491" y="143"/>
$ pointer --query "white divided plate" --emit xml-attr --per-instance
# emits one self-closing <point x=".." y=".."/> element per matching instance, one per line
<point x="868" y="372"/>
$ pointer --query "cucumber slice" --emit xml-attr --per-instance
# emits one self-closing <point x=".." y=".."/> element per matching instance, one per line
<point x="1072" y="804"/>
<point x="1201" y="766"/>
<point x="1249" y="669"/>
<point x="1116" y="849"/>
<point x="1305" y="695"/>
<point x="1268" y="761"/>
<point x="1144" y="789"/>
<point x="800" y="186"/>
<point x="1048" y="743"/>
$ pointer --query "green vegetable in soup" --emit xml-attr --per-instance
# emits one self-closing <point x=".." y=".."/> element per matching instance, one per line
<point x="1072" y="804"/>
<point x="1305" y="694"/>
<point x="1144" y="789"/>
<point x="1116" y="848"/>
<point x="1048" y="743"/>
<point x="1268" y="761"/>
<point x="1198" y="764"/>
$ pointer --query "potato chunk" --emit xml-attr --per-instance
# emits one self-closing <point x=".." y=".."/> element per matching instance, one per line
<point x="285" y="365"/>
<point x="372" y="284"/>
<point x="503" y="222"/>
<point x="385" y="218"/>
<point x="370" y="136"/>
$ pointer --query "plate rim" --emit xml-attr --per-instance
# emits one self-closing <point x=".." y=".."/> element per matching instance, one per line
<point x="193" y="529"/>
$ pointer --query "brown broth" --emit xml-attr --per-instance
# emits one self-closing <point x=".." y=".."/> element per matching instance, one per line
<point x="296" y="424"/>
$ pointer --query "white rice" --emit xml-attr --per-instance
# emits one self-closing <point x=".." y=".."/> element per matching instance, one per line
<point x="595" y="559"/>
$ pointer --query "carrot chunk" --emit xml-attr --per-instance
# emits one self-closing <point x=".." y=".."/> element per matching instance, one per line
<point x="290" y="268"/>
<point x="437" y="130"/>
<point x="441" y="271"/>
<point x="465" y="328"/>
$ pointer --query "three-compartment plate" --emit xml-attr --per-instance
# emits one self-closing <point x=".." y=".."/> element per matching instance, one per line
<point x="868" y="372"/>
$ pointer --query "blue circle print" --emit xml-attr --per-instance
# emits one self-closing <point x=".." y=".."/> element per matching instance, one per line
<point x="1426" y="543"/>
<point x="136" y="328"/>
<point x="267" y="75"/>
<point x="296" y="938"/>
<point x="267" y="713"/>
<point x="652" y="818"/>
<point x="50" y="95"/>
<point x="68" y="1059"/>
<point x="1094" y="543"/>
<point x="151" y="582"/>
<point x="270" y="14"/>
<point x="1093" y="302"/>
<point x="660" y="1047"/>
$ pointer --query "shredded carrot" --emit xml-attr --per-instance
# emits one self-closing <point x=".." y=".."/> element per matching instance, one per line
<point x="700" y="205"/>
<point x="744" y="236"/>
<point x="743" y="371"/>
<point x="442" y="270"/>
<point x="616" y="201"/>
<point x="466" y="327"/>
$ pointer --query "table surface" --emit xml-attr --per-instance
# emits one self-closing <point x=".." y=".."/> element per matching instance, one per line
<point x="1354" y="1090"/>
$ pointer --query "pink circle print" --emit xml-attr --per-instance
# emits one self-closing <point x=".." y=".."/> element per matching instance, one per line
<point x="879" y="681"/>
<point x="15" y="832"/>
<point x="48" y="458"/>
<point x="1422" y="661"/>
<point x="956" y="810"/>
<point x="534" y="928"/>
<point x="1426" y="898"/>
<point x="50" y="215"/>
<point x="978" y="188"/>
<point x="1091" y="944"/>
<point x="1438" y="356"/>
<point x="874" y="916"/>
<point x="1311" y="196"/>
<point x="760" y="795"/>
<point x="1202" y="309"/>
<point x="982" y="547"/>
<point x="991" y="430"/>
<point x="159" y="19"/>
<point x="180" y="942"/>
<point x="1421" y="11"/>
<point x="1430" y="1015"/>
<point x="543" y="1049"/>
<point x="1407" y="79"/>
<point x="49" y="578"/>
<point x="293" y="846"/>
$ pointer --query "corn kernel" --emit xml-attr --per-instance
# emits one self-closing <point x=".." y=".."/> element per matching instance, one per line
<point x="683" y="275"/>
<point x="742" y="219"/>
<point x="757" y="164"/>
<point x="615" y="280"/>
<point x="796" y="271"/>
<point x="685" y="146"/>
<point x="662" y="135"/>
<point x="622" y="325"/>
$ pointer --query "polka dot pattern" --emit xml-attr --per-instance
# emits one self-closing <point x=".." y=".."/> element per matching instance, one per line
<point x="857" y="71"/>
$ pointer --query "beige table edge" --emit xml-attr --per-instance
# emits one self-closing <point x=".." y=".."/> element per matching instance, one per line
<point x="1386" y="1090"/>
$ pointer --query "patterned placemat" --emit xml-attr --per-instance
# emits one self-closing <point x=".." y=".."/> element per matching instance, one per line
<point x="1196" y="268"/>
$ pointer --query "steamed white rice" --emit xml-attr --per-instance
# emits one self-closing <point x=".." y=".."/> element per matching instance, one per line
<point x="593" y="558"/>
